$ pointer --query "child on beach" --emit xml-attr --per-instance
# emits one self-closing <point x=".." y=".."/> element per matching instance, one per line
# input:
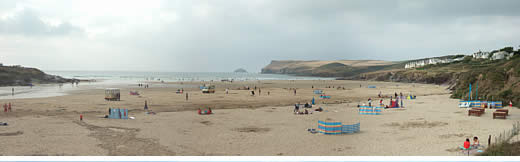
<point x="476" y="143"/>
<point x="466" y="144"/>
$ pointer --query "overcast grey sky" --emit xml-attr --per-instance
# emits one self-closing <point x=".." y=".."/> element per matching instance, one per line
<point x="223" y="35"/>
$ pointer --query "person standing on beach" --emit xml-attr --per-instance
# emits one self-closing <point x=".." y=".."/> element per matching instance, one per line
<point x="9" y="107"/>
<point x="186" y="96"/>
<point x="295" y="91"/>
<point x="268" y="93"/>
<point x="259" y="92"/>
<point x="145" y="105"/>
<point x="227" y="91"/>
<point x="369" y="102"/>
<point x="5" y="107"/>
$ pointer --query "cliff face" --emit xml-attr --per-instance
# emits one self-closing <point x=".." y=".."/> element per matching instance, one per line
<point x="22" y="76"/>
<point x="497" y="76"/>
<point x="497" y="80"/>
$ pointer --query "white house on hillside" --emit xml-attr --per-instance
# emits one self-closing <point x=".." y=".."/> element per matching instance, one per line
<point x="481" y="55"/>
<point x="429" y="61"/>
<point x="501" y="55"/>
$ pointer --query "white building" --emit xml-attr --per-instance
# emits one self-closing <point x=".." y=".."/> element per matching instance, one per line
<point x="481" y="55"/>
<point x="501" y="55"/>
<point x="429" y="61"/>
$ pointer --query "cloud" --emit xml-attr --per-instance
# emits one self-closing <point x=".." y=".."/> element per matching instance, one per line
<point x="222" y="35"/>
<point x="27" y="22"/>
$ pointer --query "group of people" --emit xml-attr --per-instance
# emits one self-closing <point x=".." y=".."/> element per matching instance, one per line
<point x="305" y="111"/>
<point x="205" y="112"/>
<point x="397" y="97"/>
<point x="7" y="107"/>
<point x="142" y="85"/>
<point x="338" y="87"/>
<point x="468" y="145"/>
<point x="252" y="92"/>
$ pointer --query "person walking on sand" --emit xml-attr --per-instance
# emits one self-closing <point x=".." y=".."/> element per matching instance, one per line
<point x="145" y="105"/>
<point x="186" y="96"/>
<point x="9" y="107"/>
<point x="259" y="92"/>
<point x="227" y="91"/>
<point x="5" y="107"/>
<point x="268" y="93"/>
<point x="295" y="91"/>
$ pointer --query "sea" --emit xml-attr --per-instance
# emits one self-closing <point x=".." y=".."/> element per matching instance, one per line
<point x="115" y="79"/>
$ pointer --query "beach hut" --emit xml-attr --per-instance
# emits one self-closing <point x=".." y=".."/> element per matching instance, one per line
<point x="367" y="110"/>
<point x="112" y="94"/>
<point x="330" y="127"/>
<point x="116" y="113"/>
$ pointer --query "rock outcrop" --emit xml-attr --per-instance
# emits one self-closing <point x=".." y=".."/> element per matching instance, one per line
<point x="23" y="76"/>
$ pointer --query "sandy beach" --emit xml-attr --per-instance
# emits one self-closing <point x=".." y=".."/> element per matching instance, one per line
<point x="244" y="124"/>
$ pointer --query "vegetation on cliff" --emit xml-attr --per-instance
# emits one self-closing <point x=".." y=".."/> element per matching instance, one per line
<point x="23" y="76"/>
<point x="497" y="80"/>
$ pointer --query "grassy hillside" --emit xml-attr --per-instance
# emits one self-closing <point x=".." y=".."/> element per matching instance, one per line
<point x="22" y="76"/>
<point x="339" y="68"/>
<point x="496" y="79"/>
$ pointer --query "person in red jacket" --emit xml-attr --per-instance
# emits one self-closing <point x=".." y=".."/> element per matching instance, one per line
<point x="466" y="144"/>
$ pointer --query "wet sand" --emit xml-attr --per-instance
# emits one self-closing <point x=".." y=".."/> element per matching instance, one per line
<point x="243" y="124"/>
